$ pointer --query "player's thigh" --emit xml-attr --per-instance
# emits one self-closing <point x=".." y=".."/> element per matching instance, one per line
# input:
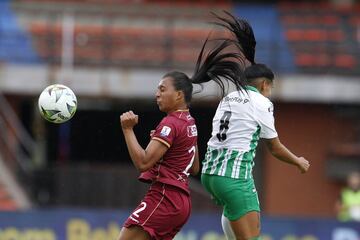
<point x="247" y="227"/>
<point x="134" y="232"/>
<point x="237" y="197"/>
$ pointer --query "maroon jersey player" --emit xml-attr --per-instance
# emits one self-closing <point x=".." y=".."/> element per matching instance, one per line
<point x="178" y="130"/>
<point x="171" y="154"/>
<point x="167" y="162"/>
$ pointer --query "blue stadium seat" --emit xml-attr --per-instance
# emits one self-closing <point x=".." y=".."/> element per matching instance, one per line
<point x="15" y="43"/>
<point x="272" y="48"/>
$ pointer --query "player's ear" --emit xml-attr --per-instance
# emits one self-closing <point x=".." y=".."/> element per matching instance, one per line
<point x="262" y="85"/>
<point x="180" y="95"/>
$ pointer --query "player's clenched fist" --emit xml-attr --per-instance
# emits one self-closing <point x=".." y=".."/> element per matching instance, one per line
<point x="128" y="120"/>
<point x="303" y="164"/>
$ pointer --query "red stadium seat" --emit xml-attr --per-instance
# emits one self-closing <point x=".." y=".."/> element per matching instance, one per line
<point x="311" y="60"/>
<point x="317" y="34"/>
<point x="355" y="20"/>
<point x="327" y="20"/>
<point x="95" y="44"/>
<point x="345" y="61"/>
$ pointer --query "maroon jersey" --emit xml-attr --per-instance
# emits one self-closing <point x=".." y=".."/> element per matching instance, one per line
<point x="178" y="132"/>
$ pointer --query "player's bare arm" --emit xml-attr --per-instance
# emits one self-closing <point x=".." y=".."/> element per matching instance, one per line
<point x="279" y="151"/>
<point x="142" y="159"/>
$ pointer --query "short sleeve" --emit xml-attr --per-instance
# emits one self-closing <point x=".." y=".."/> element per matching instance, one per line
<point x="267" y="122"/>
<point x="165" y="132"/>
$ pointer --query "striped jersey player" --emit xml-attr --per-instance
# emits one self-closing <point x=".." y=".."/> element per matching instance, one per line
<point x="241" y="119"/>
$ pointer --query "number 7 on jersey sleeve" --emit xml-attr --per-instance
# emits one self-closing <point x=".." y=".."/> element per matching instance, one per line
<point x="191" y="150"/>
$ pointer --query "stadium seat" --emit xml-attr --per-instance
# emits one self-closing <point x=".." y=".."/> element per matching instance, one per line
<point x="315" y="34"/>
<point x="15" y="44"/>
<point x="345" y="61"/>
<point x="115" y="45"/>
<point x="327" y="20"/>
<point x="320" y="36"/>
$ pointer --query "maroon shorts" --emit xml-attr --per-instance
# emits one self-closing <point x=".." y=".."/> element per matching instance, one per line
<point x="162" y="212"/>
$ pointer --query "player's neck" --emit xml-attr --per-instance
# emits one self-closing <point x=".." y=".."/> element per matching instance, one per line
<point x="180" y="108"/>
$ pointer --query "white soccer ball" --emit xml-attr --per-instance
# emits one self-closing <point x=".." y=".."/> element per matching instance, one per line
<point x="57" y="103"/>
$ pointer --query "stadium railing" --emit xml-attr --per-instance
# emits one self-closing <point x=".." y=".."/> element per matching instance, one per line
<point x="16" y="151"/>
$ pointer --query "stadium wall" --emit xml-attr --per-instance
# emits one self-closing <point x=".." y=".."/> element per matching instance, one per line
<point x="309" y="130"/>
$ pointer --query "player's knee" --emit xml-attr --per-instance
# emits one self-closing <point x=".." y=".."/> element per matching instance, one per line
<point x="124" y="234"/>
<point x="229" y="233"/>
<point x="247" y="236"/>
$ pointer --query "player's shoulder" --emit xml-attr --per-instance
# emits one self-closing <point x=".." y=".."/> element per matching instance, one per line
<point x="235" y="96"/>
<point x="261" y="102"/>
<point x="168" y="119"/>
<point x="179" y="117"/>
<point x="183" y="116"/>
<point x="166" y="126"/>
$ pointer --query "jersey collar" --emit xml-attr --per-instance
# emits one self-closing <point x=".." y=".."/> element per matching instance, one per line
<point x="251" y="88"/>
<point x="182" y="110"/>
<point x="179" y="111"/>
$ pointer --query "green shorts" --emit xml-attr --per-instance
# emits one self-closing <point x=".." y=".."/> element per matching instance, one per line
<point x="237" y="197"/>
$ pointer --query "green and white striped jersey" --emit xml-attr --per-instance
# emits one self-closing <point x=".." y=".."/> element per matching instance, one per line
<point x="241" y="119"/>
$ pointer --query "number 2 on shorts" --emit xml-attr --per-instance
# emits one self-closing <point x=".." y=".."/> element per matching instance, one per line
<point x="137" y="211"/>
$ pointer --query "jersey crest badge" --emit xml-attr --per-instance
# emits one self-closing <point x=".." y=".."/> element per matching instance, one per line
<point x="165" y="131"/>
<point x="192" y="131"/>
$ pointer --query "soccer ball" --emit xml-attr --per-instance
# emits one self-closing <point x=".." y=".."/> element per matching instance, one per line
<point x="57" y="103"/>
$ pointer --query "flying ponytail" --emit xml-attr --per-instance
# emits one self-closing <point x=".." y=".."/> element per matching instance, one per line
<point x="218" y="65"/>
<point x="243" y="32"/>
<point x="245" y="41"/>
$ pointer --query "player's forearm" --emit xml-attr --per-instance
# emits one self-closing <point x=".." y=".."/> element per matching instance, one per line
<point x="283" y="154"/>
<point x="137" y="153"/>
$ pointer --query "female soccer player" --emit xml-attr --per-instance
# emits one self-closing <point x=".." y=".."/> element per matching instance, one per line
<point x="171" y="154"/>
<point x="241" y="119"/>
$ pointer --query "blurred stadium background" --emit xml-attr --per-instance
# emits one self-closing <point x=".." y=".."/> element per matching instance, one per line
<point x="75" y="181"/>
